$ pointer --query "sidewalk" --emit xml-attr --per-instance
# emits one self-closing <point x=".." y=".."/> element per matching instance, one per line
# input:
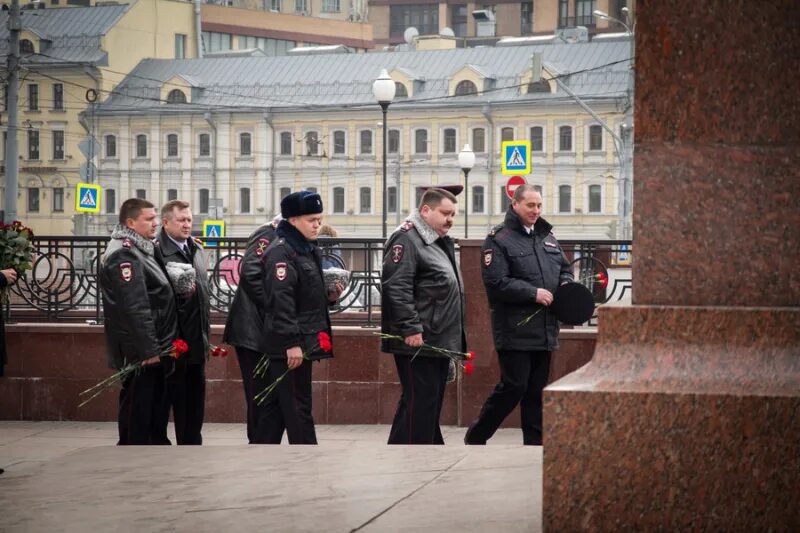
<point x="69" y="476"/>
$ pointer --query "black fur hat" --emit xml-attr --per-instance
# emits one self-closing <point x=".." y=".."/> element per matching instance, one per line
<point x="301" y="203"/>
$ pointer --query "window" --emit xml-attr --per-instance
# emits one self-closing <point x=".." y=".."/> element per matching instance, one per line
<point x="466" y="88"/>
<point x="300" y="6"/>
<point x="58" y="144"/>
<point x="477" y="199"/>
<point x="365" y="200"/>
<point x="400" y="90"/>
<point x="393" y="142"/>
<point x="538" y="188"/>
<point x="449" y="141"/>
<point x="421" y="142"/>
<point x="526" y="18"/>
<point x="565" y="138"/>
<point x="478" y="140"/>
<point x="111" y="146"/>
<point x="216" y="42"/>
<point x="537" y="139"/>
<point x="505" y="201"/>
<point x="172" y="145"/>
<point x="176" y="96"/>
<point x="26" y="47"/>
<point x="564" y="199"/>
<point x="458" y="19"/>
<point x="286" y="143"/>
<point x="172" y="194"/>
<point x="563" y="13"/>
<point x="312" y="143"/>
<point x="331" y="6"/>
<point x="338" y="199"/>
<point x="541" y="86"/>
<point x="141" y="145"/>
<point x="506" y="134"/>
<point x="391" y="200"/>
<point x="33" y="144"/>
<point x="111" y="201"/>
<point x="366" y="142"/>
<point x="204" y="145"/>
<point x="58" y="96"/>
<point x="339" y="143"/>
<point x="33" y="97"/>
<point x="58" y="199"/>
<point x="595" y="137"/>
<point x="203" y="201"/>
<point x="284" y="192"/>
<point x="141" y="194"/>
<point x="245" y="148"/>
<point x="584" y="12"/>
<point x="271" y="47"/>
<point x="180" y="46"/>
<point x="418" y="196"/>
<point x="244" y="200"/>
<point x="595" y="199"/>
<point x="33" y="199"/>
<point x="424" y="17"/>
<point x="275" y="5"/>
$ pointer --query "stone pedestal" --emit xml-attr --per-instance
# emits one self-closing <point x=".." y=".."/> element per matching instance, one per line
<point x="688" y="415"/>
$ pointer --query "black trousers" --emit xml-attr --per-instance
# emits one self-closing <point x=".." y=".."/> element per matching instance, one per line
<point x="287" y="408"/>
<point x="423" y="381"/>
<point x="523" y="377"/>
<point x="248" y="359"/>
<point x="186" y="395"/>
<point x="142" y="406"/>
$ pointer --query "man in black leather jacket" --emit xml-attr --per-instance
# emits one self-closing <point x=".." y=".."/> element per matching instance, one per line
<point x="523" y="265"/>
<point x="295" y="313"/>
<point x="186" y="386"/>
<point x="140" y="321"/>
<point x="244" y="327"/>
<point x="422" y="302"/>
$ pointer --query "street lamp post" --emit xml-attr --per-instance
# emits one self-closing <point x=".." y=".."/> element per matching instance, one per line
<point x="383" y="89"/>
<point x="466" y="160"/>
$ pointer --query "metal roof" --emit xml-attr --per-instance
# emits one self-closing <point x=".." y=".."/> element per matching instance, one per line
<point x="592" y="70"/>
<point x="70" y="35"/>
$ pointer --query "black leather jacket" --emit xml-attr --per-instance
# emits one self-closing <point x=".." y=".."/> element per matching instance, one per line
<point x="244" y="326"/>
<point x="515" y="264"/>
<point x="193" y="310"/>
<point x="297" y="305"/>
<point x="422" y="290"/>
<point x="138" y="303"/>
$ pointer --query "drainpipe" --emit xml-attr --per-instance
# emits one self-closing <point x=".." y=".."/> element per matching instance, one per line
<point x="207" y="117"/>
<point x="197" y="28"/>
<point x="487" y="113"/>
<point x="270" y="125"/>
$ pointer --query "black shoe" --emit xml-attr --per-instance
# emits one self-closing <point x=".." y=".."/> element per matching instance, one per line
<point x="472" y="442"/>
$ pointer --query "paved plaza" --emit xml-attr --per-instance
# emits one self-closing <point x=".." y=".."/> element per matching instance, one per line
<point x="68" y="476"/>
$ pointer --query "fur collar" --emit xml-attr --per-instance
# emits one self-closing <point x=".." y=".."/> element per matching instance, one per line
<point x="295" y="239"/>
<point x="427" y="233"/>
<point x="123" y="232"/>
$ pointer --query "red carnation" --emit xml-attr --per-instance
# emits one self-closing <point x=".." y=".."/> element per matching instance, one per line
<point x="602" y="279"/>
<point x="215" y="351"/>
<point x="324" y="341"/>
<point x="470" y="356"/>
<point x="469" y="368"/>
<point x="180" y="347"/>
<point x="223" y="352"/>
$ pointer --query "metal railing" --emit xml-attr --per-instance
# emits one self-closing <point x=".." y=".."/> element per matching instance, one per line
<point x="63" y="284"/>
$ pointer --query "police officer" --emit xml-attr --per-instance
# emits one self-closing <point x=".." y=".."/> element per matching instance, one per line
<point x="186" y="385"/>
<point x="423" y="303"/>
<point x="243" y="329"/>
<point x="140" y="321"/>
<point x="523" y="265"/>
<point x="296" y="312"/>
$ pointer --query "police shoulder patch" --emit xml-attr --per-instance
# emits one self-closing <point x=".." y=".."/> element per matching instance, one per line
<point x="488" y="255"/>
<point x="126" y="272"/>
<point x="261" y="247"/>
<point x="407" y="225"/>
<point x="280" y="271"/>
<point x="397" y="253"/>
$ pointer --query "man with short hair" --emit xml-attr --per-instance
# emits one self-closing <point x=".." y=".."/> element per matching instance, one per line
<point x="523" y="265"/>
<point x="140" y="321"/>
<point x="186" y="267"/>
<point x="422" y="303"/>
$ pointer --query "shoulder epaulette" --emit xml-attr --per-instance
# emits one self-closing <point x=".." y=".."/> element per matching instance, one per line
<point x="407" y="225"/>
<point x="497" y="228"/>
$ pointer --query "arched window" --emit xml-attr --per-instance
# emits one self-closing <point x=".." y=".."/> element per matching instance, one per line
<point x="478" y="140"/>
<point x="245" y="144"/>
<point x="339" y="142"/>
<point x="172" y="145"/>
<point x="365" y="136"/>
<point x="391" y="199"/>
<point x="477" y="199"/>
<point x="595" y="137"/>
<point x="565" y="138"/>
<point x="421" y="142"/>
<point x="537" y="139"/>
<point x="506" y="134"/>
<point x="365" y="200"/>
<point x="400" y="90"/>
<point x="141" y="145"/>
<point x="286" y="143"/>
<point x="564" y="199"/>
<point x="449" y="141"/>
<point x="338" y="199"/>
<point x="176" y="96"/>
<point x="393" y="142"/>
<point x="312" y="143"/>
<point x="111" y="146"/>
<point x="595" y="199"/>
<point x="26" y="47"/>
<point x="204" y="145"/>
<point x="466" y="88"/>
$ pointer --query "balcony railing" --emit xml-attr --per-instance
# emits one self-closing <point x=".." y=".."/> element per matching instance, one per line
<point x="63" y="285"/>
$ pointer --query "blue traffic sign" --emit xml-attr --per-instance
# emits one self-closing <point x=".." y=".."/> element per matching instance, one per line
<point x="87" y="198"/>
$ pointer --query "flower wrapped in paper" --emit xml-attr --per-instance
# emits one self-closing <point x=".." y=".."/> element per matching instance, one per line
<point x="334" y="276"/>
<point x="183" y="277"/>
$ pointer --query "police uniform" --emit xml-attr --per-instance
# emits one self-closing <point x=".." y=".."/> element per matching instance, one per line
<point x="243" y="328"/>
<point x="295" y="312"/>
<point x="422" y="293"/>
<point x="515" y="263"/>
<point x="140" y="323"/>
<point x="186" y="386"/>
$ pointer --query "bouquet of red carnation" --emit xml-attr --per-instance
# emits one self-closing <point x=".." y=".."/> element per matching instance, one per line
<point x="323" y="343"/>
<point x="462" y="359"/>
<point x="176" y="349"/>
<point x="217" y="351"/>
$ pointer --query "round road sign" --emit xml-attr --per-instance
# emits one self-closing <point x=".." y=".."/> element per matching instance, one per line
<point x="512" y="184"/>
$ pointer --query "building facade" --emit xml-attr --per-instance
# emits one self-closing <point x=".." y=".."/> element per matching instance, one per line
<point x="243" y="132"/>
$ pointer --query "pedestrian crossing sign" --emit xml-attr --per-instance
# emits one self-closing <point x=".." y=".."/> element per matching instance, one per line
<point x="87" y="198"/>
<point x="515" y="157"/>
<point x="211" y="230"/>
